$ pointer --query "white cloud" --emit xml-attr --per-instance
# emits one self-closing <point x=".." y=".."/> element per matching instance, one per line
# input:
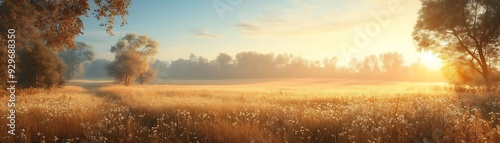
<point x="205" y="33"/>
<point x="314" y="17"/>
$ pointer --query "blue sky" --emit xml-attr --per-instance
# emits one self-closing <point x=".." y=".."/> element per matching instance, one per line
<point x="312" y="29"/>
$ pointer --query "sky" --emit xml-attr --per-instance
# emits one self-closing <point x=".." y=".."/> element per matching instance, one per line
<point x="311" y="29"/>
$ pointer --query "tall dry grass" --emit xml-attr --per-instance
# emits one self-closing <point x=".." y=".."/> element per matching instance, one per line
<point x="258" y="113"/>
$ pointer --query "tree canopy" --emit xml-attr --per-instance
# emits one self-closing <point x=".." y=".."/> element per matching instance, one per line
<point x="58" y="22"/>
<point x="40" y="67"/>
<point x="385" y="66"/>
<point x="52" y="25"/>
<point x="465" y="33"/>
<point x="132" y="56"/>
<point x="73" y="58"/>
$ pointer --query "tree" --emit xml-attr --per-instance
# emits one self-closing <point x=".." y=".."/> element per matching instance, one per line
<point x="392" y="63"/>
<point x="223" y="60"/>
<point x="355" y="65"/>
<point x="52" y="25"/>
<point x="371" y="65"/>
<point x="97" y="69"/>
<point x="161" y="68"/>
<point x="73" y="58"/>
<point x="253" y="64"/>
<point x="147" y="76"/>
<point x="223" y="65"/>
<point x="58" y="22"/>
<point x="282" y="60"/>
<point x="330" y="63"/>
<point x="132" y="56"/>
<point x="40" y="68"/>
<point x="463" y="32"/>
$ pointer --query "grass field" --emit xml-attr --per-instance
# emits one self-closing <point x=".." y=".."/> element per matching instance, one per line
<point x="280" y="110"/>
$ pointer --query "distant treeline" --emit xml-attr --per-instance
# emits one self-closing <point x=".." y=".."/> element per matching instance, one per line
<point x="388" y="66"/>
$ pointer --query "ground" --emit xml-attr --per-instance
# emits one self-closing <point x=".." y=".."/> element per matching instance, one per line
<point x="258" y="110"/>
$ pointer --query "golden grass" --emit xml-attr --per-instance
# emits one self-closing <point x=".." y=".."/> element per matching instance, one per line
<point x="73" y="89"/>
<point x="302" y="110"/>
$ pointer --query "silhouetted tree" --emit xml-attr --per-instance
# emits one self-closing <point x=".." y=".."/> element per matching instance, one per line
<point x="391" y="63"/>
<point x="181" y="69"/>
<point x="253" y="64"/>
<point x="281" y="60"/>
<point x="258" y="65"/>
<point x="97" y="69"/>
<point x="161" y="68"/>
<point x="464" y="32"/>
<point x="371" y="66"/>
<point x="73" y="58"/>
<point x="297" y="67"/>
<point x="132" y="55"/>
<point x="330" y="63"/>
<point x="223" y="60"/>
<point x="354" y="66"/>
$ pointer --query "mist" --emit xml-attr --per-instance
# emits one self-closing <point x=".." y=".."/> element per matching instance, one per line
<point x="254" y="65"/>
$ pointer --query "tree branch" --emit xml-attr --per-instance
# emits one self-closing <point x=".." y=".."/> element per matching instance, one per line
<point x="465" y="24"/>
<point x="463" y="45"/>
<point x="475" y="19"/>
<point x="474" y="67"/>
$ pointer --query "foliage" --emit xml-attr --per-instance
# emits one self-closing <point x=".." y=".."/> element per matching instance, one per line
<point x="41" y="67"/>
<point x="465" y="33"/>
<point x="58" y="22"/>
<point x="55" y="24"/>
<point x="386" y="66"/>
<point x="97" y="69"/>
<point x="147" y="76"/>
<point x="73" y="58"/>
<point x="132" y="56"/>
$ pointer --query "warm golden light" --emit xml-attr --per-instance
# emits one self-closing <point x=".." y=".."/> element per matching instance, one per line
<point x="430" y="60"/>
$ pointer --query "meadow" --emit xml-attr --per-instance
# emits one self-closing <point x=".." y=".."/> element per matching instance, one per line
<point x="281" y="110"/>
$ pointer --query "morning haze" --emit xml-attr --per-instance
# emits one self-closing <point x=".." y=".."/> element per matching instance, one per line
<point x="250" y="71"/>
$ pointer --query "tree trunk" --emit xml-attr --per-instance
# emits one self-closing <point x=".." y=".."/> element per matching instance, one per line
<point x="142" y="79"/>
<point x="127" y="80"/>
<point x="487" y="78"/>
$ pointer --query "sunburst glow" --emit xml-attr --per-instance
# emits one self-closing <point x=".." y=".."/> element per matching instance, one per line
<point x="430" y="60"/>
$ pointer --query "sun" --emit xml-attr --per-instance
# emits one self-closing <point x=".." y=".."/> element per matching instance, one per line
<point x="430" y="60"/>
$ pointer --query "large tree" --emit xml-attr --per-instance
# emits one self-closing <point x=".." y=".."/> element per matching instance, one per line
<point x="73" y="58"/>
<point x="57" y="22"/>
<point x="132" y="56"/>
<point x="465" y="33"/>
<point x="40" y="67"/>
<point x="52" y="23"/>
